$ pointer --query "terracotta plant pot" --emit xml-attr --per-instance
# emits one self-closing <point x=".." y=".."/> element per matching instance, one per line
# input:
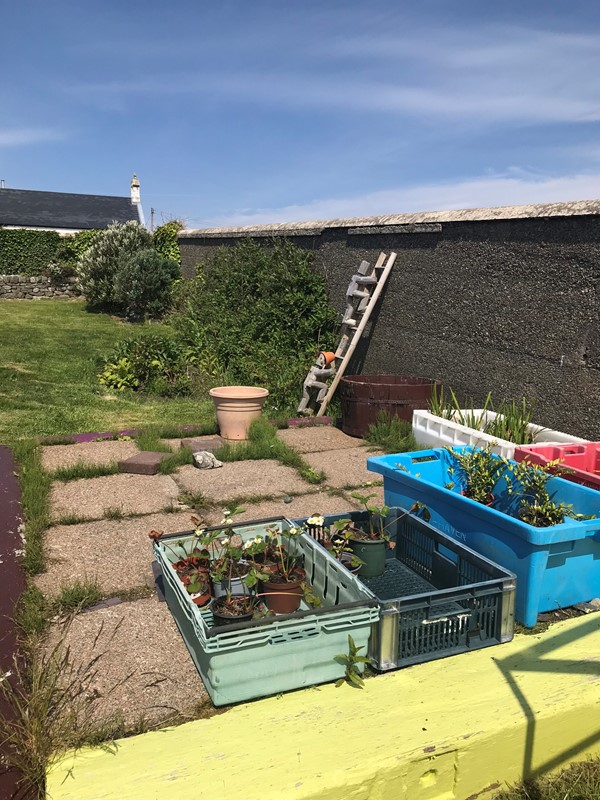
<point x="237" y="407"/>
<point x="284" y="598"/>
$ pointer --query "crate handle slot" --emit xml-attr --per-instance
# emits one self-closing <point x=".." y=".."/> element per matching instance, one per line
<point x="294" y="636"/>
<point x="422" y="459"/>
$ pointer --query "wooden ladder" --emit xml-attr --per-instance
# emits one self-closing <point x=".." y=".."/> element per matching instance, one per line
<point x="362" y="295"/>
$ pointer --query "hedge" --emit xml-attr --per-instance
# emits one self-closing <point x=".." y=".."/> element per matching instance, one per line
<point x="24" y="252"/>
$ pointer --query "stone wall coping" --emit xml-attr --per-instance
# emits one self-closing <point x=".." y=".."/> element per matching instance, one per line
<point x="316" y="227"/>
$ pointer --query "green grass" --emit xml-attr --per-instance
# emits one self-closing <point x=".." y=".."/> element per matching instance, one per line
<point x="263" y="443"/>
<point x="35" y="495"/>
<point x="391" y="434"/>
<point x="82" y="470"/>
<point x="49" y="357"/>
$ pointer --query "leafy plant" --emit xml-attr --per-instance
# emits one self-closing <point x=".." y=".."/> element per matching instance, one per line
<point x="257" y="316"/>
<point x="477" y="470"/>
<point x="511" y="420"/>
<point x="156" y="363"/>
<point x="377" y="516"/>
<point x="350" y="661"/>
<point x="165" y="241"/>
<point x="98" y="267"/>
<point x="529" y="483"/>
<point x="144" y="283"/>
<point x="391" y="434"/>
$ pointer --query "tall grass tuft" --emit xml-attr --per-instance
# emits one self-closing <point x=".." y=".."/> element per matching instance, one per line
<point x="35" y="494"/>
<point x="391" y="434"/>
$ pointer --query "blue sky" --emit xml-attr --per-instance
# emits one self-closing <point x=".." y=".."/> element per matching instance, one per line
<point x="250" y="111"/>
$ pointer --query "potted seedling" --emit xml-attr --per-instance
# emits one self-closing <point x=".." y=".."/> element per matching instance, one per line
<point x="286" y="584"/>
<point x="191" y="563"/>
<point x="369" y="542"/>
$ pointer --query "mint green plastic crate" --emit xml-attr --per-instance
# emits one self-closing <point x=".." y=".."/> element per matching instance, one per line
<point x="268" y="656"/>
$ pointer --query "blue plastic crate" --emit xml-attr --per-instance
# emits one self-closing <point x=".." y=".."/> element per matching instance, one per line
<point x="275" y="654"/>
<point x="555" y="566"/>
<point x="437" y="597"/>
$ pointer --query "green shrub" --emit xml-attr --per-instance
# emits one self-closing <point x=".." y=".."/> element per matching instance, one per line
<point x="165" y="240"/>
<point x="257" y="316"/>
<point x="155" y="363"/>
<point x="144" y="282"/>
<point x="24" y="252"/>
<point x="98" y="266"/>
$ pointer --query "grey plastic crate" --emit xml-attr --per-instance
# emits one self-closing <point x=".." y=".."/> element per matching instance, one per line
<point x="437" y="597"/>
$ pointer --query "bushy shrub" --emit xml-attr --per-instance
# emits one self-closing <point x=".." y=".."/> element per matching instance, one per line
<point x="144" y="282"/>
<point x="165" y="240"/>
<point x="98" y="266"/>
<point x="257" y="316"/>
<point x="154" y="362"/>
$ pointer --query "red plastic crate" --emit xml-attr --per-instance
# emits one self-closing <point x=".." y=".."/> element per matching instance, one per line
<point x="580" y="463"/>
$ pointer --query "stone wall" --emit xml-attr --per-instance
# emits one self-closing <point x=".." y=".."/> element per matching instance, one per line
<point x="20" y="287"/>
<point x="506" y="299"/>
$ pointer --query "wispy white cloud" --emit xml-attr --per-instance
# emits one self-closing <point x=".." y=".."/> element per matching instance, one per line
<point x="481" y="76"/>
<point x="515" y="188"/>
<point x="20" y="137"/>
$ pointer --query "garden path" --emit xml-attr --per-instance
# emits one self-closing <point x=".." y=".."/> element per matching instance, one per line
<point x="139" y="647"/>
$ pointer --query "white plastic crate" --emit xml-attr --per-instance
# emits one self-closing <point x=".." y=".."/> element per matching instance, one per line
<point x="431" y="431"/>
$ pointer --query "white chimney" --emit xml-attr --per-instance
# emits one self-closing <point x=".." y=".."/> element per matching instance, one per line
<point x="135" y="190"/>
<point x="136" y="199"/>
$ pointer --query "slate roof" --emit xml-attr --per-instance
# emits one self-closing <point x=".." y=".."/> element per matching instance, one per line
<point x="31" y="209"/>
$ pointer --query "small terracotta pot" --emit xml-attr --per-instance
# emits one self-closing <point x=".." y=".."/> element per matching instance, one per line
<point x="201" y="599"/>
<point x="237" y="407"/>
<point x="284" y="598"/>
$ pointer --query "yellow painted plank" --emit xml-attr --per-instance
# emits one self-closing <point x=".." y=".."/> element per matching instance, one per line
<point x="447" y="730"/>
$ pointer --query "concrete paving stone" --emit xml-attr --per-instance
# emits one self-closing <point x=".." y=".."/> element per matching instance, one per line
<point x="346" y="467"/>
<point x="98" y="453"/>
<point x="117" y="554"/>
<point x="208" y="443"/>
<point x="174" y="444"/>
<point x="132" y="494"/>
<point x="140" y="645"/>
<point x="302" y="506"/>
<point x="314" y="440"/>
<point x="237" y="478"/>
<point x="143" y="463"/>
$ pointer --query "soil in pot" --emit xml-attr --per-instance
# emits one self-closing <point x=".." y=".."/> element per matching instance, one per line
<point x="281" y="596"/>
<point x="236" y="608"/>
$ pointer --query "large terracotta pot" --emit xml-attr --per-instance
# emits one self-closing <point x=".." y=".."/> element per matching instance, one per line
<point x="237" y="407"/>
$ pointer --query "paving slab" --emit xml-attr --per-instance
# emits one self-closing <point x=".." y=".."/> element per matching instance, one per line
<point x="208" y="443"/>
<point x="117" y="554"/>
<point x="238" y="478"/>
<point x="98" y="453"/>
<point x="174" y="444"/>
<point x="314" y="440"/>
<point x="301" y="506"/>
<point x="139" y="639"/>
<point x="346" y="467"/>
<point x="146" y="462"/>
<point x="131" y="494"/>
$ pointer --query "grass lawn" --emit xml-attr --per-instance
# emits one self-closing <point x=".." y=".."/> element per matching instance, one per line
<point x="49" y="353"/>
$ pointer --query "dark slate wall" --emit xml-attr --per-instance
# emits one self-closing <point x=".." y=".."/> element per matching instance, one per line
<point x="511" y="305"/>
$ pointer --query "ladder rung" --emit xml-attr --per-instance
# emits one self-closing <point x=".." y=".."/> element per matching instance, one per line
<point x="364" y="280"/>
